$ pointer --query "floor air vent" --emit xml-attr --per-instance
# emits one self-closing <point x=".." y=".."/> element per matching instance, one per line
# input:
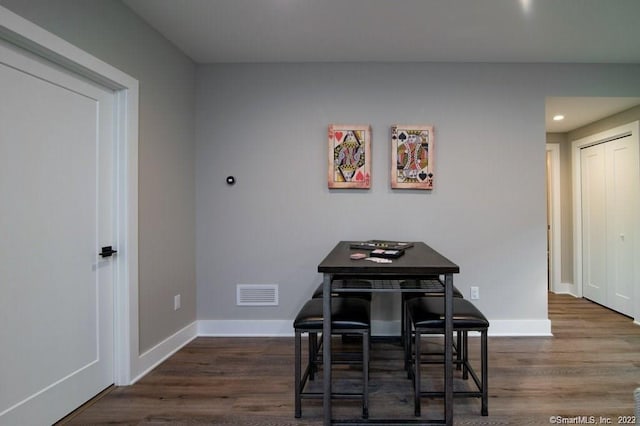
<point x="257" y="295"/>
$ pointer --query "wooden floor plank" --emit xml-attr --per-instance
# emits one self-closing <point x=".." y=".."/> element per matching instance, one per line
<point x="590" y="367"/>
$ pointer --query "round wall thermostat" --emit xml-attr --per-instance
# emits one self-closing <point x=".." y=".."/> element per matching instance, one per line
<point x="231" y="180"/>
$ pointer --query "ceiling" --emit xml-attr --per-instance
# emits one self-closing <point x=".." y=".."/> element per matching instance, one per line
<point x="520" y="31"/>
<point x="579" y="111"/>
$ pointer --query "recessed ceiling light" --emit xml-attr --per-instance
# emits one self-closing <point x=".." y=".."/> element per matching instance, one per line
<point x="558" y="117"/>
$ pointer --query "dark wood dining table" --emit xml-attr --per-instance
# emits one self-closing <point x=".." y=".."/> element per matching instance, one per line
<point x="419" y="261"/>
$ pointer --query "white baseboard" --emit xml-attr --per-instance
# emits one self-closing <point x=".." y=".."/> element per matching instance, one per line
<point x="284" y="328"/>
<point x="163" y="350"/>
<point x="566" y="288"/>
<point x="245" y="328"/>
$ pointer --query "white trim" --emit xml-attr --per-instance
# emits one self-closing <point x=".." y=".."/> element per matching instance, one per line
<point x="566" y="288"/>
<point x="632" y="129"/>
<point x="556" y="231"/>
<point x="32" y="38"/>
<point x="284" y="328"/>
<point x="126" y="327"/>
<point x="163" y="350"/>
<point x="245" y="328"/>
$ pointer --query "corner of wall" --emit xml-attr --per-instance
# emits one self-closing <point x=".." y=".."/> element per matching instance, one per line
<point x="150" y="359"/>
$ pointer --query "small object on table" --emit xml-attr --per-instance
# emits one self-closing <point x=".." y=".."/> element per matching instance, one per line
<point x="379" y="259"/>
<point x="380" y="244"/>
<point x="391" y="254"/>
<point x="357" y="256"/>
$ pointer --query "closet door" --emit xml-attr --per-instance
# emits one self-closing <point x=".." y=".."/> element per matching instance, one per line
<point x="610" y="192"/>
<point x="594" y="253"/>
<point x="621" y="156"/>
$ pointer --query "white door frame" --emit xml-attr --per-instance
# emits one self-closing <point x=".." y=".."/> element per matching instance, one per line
<point x="556" y="232"/>
<point x="632" y="129"/>
<point x="17" y="30"/>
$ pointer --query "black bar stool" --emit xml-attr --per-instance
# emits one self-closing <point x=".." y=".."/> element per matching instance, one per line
<point x="428" y="287"/>
<point x="426" y="316"/>
<point x="431" y="286"/>
<point x="348" y="316"/>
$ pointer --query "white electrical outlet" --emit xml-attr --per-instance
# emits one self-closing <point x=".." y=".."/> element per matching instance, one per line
<point x="176" y="302"/>
<point x="475" y="293"/>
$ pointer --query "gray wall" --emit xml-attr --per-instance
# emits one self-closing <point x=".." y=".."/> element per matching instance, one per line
<point x="110" y="31"/>
<point x="266" y="124"/>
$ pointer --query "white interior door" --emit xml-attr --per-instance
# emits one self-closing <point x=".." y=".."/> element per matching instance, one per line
<point x="610" y="191"/>
<point x="594" y="271"/>
<point x="56" y="211"/>
<point x="622" y="219"/>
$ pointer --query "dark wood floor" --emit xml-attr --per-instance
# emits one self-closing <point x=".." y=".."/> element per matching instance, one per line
<point x="590" y="367"/>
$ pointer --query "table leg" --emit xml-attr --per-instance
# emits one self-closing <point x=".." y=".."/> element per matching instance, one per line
<point x="448" y="349"/>
<point x="326" y="348"/>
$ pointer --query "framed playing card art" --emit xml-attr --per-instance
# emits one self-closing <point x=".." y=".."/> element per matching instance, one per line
<point x="349" y="156"/>
<point x="412" y="157"/>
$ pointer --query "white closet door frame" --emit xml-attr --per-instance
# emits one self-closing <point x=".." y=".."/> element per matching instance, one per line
<point x="17" y="30"/>
<point x="632" y="130"/>
<point x="556" y="231"/>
